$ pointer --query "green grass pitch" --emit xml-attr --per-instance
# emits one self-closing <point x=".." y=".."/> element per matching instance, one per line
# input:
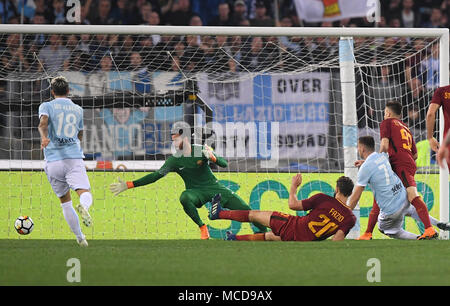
<point x="143" y="237"/>
<point x="224" y="263"/>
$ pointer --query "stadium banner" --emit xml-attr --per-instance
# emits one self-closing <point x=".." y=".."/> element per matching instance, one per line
<point x="252" y="115"/>
<point x="332" y="10"/>
<point x="154" y="211"/>
<point x="247" y="109"/>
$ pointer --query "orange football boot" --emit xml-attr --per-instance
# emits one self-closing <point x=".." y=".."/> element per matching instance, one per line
<point x="204" y="233"/>
<point x="365" y="236"/>
<point x="429" y="233"/>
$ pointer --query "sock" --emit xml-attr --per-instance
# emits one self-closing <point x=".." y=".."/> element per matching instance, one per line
<point x="86" y="200"/>
<point x="72" y="219"/>
<point x="373" y="217"/>
<point x="252" y="237"/>
<point x="422" y="211"/>
<point x="412" y="212"/>
<point x="236" y="215"/>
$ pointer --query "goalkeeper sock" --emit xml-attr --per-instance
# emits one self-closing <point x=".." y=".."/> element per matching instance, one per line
<point x="373" y="217"/>
<point x="86" y="200"/>
<point x="236" y="215"/>
<point x="422" y="211"/>
<point x="72" y="219"/>
<point x="252" y="237"/>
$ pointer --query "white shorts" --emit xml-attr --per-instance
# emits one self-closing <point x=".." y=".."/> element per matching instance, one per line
<point x="392" y="224"/>
<point x="67" y="174"/>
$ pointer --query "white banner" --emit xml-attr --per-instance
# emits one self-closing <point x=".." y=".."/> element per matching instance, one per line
<point x="332" y="10"/>
<point x="244" y="112"/>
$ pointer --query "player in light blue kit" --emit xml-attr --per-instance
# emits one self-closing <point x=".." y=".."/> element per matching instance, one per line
<point x="61" y="130"/>
<point x="388" y="190"/>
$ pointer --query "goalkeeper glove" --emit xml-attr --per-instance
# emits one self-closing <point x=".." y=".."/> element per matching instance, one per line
<point x="208" y="153"/>
<point x="117" y="188"/>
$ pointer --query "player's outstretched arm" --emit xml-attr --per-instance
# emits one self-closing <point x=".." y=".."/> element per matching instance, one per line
<point x="120" y="187"/>
<point x="355" y="196"/>
<point x="294" y="203"/>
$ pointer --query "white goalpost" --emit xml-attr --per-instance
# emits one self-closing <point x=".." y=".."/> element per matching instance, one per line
<point x="272" y="101"/>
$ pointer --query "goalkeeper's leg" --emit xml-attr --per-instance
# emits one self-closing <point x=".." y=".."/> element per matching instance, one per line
<point x="235" y="202"/>
<point x="190" y="201"/>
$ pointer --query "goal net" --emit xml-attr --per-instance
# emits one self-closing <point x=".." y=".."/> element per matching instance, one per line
<point x="271" y="101"/>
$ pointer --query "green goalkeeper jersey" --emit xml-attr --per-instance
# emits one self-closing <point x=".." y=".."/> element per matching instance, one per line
<point x="194" y="170"/>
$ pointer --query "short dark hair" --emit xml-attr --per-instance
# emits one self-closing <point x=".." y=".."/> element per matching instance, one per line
<point x="367" y="141"/>
<point x="60" y="86"/>
<point x="345" y="185"/>
<point x="395" y="106"/>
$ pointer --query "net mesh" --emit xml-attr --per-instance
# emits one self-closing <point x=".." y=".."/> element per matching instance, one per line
<point x="277" y="109"/>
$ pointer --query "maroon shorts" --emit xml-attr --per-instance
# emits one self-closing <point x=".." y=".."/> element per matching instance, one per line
<point x="406" y="175"/>
<point x="288" y="227"/>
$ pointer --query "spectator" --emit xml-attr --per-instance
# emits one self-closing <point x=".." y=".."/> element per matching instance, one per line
<point x="239" y="12"/>
<point x="122" y="58"/>
<point x="141" y="76"/>
<point x="146" y="10"/>
<point x="410" y="18"/>
<point x="430" y="68"/>
<point x="436" y="19"/>
<point x="416" y="99"/>
<point x="58" y="12"/>
<point x="261" y="18"/>
<point x="383" y="87"/>
<point x="290" y="43"/>
<point x="193" y="55"/>
<point x="223" y="19"/>
<point x="8" y="10"/>
<point x="13" y="59"/>
<point x="180" y="14"/>
<point x="53" y="55"/>
<point x="123" y="13"/>
<point x="39" y="39"/>
<point x="153" y="20"/>
<point x="103" y="14"/>
<point x="207" y="10"/>
<point x="253" y="59"/>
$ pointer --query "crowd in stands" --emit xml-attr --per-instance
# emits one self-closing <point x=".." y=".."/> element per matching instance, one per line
<point x="214" y="53"/>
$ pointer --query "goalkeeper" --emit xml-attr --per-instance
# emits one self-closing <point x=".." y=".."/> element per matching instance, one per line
<point x="192" y="164"/>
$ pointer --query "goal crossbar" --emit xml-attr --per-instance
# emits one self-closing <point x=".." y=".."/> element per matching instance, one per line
<point x="208" y="30"/>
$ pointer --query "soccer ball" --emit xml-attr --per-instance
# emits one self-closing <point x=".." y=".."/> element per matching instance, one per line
<point x="24" y="225"/>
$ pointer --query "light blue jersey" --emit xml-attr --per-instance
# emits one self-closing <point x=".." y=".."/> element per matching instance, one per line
<point x="386" y="186"/>
<point x="65" y="121"/>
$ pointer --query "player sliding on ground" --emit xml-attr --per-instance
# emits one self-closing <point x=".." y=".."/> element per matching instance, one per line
<point x="328" y="216"/>
<point x="388" y="190"/>
<point x="192" y="164"/>
<point x="61" y="130"/>
<point x="397" y="141"/>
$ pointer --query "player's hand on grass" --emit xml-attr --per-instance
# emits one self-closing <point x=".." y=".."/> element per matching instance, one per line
<point x="297" y="180"/>
<point x="44" y="142"/>
<point x="434" y="144"/>
<point x="208" y="153"/>
<point x="119" y="187"/>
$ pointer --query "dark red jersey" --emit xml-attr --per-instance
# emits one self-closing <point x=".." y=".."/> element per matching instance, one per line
<point x="441" y="97"/>
<point x="327" y="215"/>
<point x="402" y="146"/>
